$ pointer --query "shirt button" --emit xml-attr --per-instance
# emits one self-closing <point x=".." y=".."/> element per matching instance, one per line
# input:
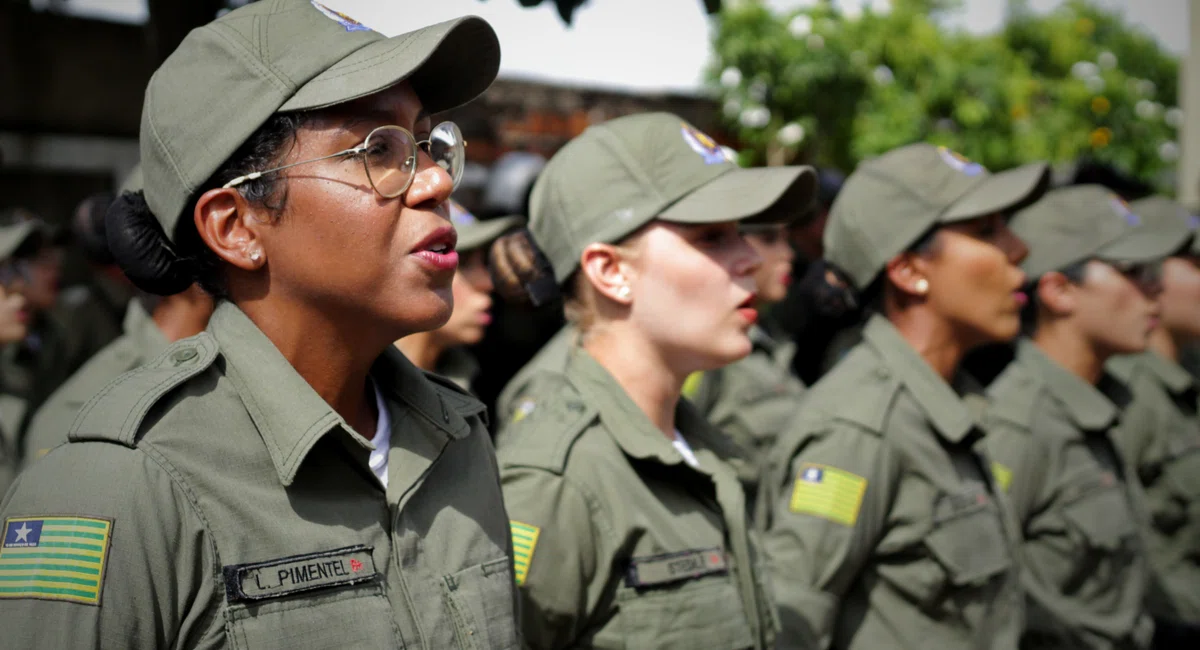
<point x="185" y="355"/>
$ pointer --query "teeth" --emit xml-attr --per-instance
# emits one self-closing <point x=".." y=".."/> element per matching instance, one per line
<point x="441" y="248"/>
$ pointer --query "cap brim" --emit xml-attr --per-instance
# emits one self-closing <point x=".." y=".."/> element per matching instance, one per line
<point x="759" y="194"/>
<point x="1143" y="246"/>
<point x="12" y="237"/>
<point x="484" y="232"/>
<point x="448" y="64"/>
<point x="1004" y="192"/>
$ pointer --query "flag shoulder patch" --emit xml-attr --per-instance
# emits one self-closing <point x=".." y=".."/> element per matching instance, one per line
<point x="829" y="493"/>
<point x="525" y="539"/>
<point x="55" y="557"/>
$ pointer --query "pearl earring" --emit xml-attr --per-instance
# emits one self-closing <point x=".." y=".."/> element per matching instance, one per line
<point x="922" y="286"/>
<point x="623" y="292"/>
<point x="255" y="255"/>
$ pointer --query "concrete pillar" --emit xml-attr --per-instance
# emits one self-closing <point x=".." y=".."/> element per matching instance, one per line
<point x="1188" y="183"/>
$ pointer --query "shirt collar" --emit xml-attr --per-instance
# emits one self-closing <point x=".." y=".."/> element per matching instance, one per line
<point x="140" y="327"/>
<point x="290" y="416"/>
<point x="628" y="425"/>
<point x="457" y="365"/>
<point x="1171" y="374"/>
<point x="1086" y="405"/>
<point x="941" y="404"/>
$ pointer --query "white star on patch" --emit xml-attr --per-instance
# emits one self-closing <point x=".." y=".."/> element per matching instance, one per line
<point x="23" y="532"/>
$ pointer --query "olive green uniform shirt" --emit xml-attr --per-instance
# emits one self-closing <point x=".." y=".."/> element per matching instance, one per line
<point x="1159" y="438"/>
<point x="211" y="499"/>
<point x="751" y="400"/>
<point x="1050" y="432"/>
<point x="886" y="529"/>
<point x="141" y="342"/>
<point x="619" y="542"/>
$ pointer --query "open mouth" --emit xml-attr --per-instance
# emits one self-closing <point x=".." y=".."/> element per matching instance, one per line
<point x="437" y="250"/>
<point x="747" y="311"/>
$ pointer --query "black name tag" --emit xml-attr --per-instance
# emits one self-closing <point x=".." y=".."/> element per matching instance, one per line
<point x="673" y="567"/>
<point x="298" y="573"/>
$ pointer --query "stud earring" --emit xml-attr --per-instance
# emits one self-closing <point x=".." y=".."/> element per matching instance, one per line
<point x="255" y="255"/>
<point x="623" y="292"/>
<point x="922" y="286"/>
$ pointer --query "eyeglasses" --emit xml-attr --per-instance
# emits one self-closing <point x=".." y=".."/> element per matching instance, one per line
<point x="1140" y="273"/>
<point x="389" y="156"/>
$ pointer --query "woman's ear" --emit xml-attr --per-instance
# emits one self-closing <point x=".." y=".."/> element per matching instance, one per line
<point x="1057" y="294"/>
<point x="906" y="273"/>
<point x="229" y="226"/>
<point x="602" y="265"/>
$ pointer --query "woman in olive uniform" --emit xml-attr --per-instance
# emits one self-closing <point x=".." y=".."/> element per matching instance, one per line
<point x="221" y="495"/>
<point x="443" y="351"/>
<point x="885" y="528"/>
<point x="1159" y="434"/>
<point x="14" y="325"/>
<point x="628" y="529"/>
<point x="1054" y="415"/>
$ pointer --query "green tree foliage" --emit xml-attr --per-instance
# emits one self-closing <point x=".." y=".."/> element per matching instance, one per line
<point x="818" y="86"/>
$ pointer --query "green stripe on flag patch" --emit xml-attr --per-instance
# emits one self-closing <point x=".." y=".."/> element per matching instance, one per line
<point x="54" y="557"/>
<point x="524" y="539"/>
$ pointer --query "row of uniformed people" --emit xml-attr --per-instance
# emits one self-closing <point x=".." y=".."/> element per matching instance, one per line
<point x="194" y="478"/>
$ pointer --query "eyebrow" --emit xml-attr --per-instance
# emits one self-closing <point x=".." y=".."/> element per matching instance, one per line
<point x="380" y="117"/>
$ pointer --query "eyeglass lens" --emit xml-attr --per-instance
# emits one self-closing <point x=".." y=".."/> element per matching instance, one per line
<point x="390" y="156"/>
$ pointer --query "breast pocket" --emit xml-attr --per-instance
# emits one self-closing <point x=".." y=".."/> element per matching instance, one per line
<point x="704" y="612"/>
<point x="969" y="546"/>
<point x="480" y="600"/>
<point x="1102" y="520"/>
<point x="352" y="617"/>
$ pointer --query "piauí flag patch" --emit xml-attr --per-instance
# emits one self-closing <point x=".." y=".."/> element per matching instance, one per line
<point x="342" y="19"/>
<point x="703" y="144"/>
<point x="959" y="162"/>
<point x="1003" y="475"/>
<point x="55" y="558"/>
<point x="525" y="539"/>
<point x="829" y="493"/>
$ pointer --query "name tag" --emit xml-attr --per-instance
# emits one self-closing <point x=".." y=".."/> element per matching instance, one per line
<point x="674" y="567"/>
<point x="298" y="573"/>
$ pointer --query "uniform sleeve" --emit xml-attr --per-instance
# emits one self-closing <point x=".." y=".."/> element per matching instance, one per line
<point x="829" y="513"/>
<point x="101" y="549"/>
<point x="555" y="542"/>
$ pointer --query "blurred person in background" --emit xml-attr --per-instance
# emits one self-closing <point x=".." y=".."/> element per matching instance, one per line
<point x="883" y="524"/>
<point x="629" y="530"/>
<point x="444" y="350"/>
<point x="14" y="326"/>
<point x="150" y="324"/>
<point x="100" y="301"/>
<point x="1092" y="279"/>
<point x="1160" y="432"/>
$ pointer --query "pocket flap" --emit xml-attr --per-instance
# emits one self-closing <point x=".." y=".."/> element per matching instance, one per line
<point x="702" y="613"/>
<point x="1103" y="516"/>
<point x="971" y="544"/>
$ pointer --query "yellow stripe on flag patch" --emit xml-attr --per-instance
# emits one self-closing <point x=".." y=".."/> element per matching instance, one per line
<point x="829" y="493"/>
<point x="54" y="558"/>
<point x="1003" y="475"/>
<point x="525" y="538"/>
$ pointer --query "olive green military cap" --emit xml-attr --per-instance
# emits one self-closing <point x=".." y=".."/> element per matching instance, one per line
<point x="228" y="77"/>
<point x="1075" y="224"/>
<point x="618" y="176"/>
<point x="13" y="236"/>
<point x="473" y="232"/>
<point x="889" y="202"/>
<point x="1166" y="215"/>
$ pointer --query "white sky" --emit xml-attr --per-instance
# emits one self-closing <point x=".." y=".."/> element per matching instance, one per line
<point x="642" y="45"/>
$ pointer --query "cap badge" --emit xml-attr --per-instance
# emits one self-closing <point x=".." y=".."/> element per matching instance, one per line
<point x="459" y="215"/>
<point x="342" y="19"/>
<point x="709" y="150"/>
<point x="1122" y="209"/>
<point x="959" y="162"/>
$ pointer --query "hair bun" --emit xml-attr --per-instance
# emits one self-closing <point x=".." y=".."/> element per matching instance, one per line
<point x="139" y="246"/>
<point x="832" y="293"/>
<point x="520" y="271"/>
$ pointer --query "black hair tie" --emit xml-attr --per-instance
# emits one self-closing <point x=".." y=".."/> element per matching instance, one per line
<point x="142" y="250"/>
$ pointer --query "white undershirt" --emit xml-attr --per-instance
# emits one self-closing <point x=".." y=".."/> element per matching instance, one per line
<point x="382" y="439"/>
<point x="685" y="450"/>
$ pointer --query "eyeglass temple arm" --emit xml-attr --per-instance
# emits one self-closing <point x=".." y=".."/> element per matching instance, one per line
<point x="256" y="175"/>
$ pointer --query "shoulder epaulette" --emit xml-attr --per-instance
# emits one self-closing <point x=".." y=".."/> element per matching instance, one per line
<point x="115" y="413"/>
<point x="544" y="435"/>
<point x="873" y="389"/>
